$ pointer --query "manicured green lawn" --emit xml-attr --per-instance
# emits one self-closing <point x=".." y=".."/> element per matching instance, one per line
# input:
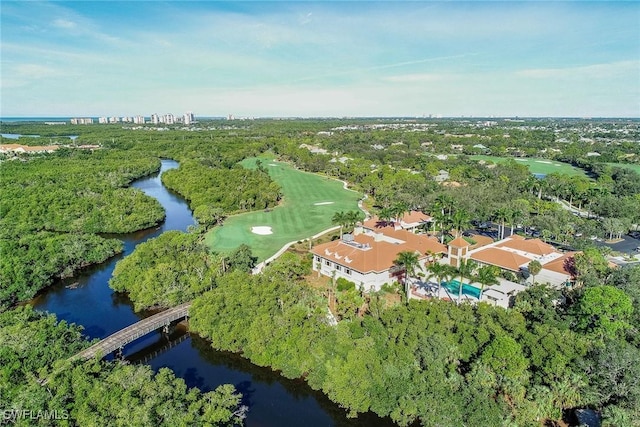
<point x="297" y="217"/>
<point x="544" y="166"/>
<point x="626" y="166"/>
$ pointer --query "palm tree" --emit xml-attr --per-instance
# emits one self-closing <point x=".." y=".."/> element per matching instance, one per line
<point x="352" y="218"/>
<point x="515" y="216"/>
<point x="440" y="272"/>
<point x="409" y="262"/>
<point x="443" y="220"/>
<point x="501" y="215"/>
<point x="540" y="186"/>
<point x="385" y="215"/>
<point x="534" y="268"/>
<point x="465" y="271"/>
<point x="530" y="184"/>
<point x="340" y="218"/>
<point x="444" y="202"/>
<point x="398" y="210"/>
<point x="460" y="220"/>
<point x="487" y="276"/>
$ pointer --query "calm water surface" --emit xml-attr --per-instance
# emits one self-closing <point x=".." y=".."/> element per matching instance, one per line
<point x="87" y="300"/>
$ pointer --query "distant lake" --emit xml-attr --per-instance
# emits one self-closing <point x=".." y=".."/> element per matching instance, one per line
<point x="18" y="136"/>
<point x="34" y="119"/>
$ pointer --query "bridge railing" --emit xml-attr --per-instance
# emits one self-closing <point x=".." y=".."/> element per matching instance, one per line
<point x="131" y="333"/>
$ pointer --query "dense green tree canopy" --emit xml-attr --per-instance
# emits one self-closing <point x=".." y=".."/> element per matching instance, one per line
<point x="165" y="271"/>
<point x="35" y="375"/>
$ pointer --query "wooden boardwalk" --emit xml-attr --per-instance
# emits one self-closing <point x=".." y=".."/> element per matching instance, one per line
<point x="131" y="333"/>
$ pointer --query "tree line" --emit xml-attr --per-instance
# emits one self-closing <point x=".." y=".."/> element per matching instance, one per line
<point x="52" y="209"/>
<point x="36" y="376"/>
<point x="437" y="362"/>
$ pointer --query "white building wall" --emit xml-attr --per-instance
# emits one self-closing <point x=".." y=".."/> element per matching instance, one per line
<point x="370" y="281"/>
<point x="553" y="278"/>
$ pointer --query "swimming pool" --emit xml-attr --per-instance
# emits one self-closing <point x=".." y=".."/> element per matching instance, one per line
<point x="454" y="287"/>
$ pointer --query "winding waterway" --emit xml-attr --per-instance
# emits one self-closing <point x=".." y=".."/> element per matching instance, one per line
<point x="87" y="300"/>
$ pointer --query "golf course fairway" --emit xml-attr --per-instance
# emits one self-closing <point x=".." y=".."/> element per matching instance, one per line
<point x="308" y="204"/>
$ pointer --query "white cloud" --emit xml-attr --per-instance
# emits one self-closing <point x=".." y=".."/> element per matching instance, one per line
<point x="595" y="71"/>
<point x="34" y="71"/>
<point x="416" y="78"/>
<point x="64" y="23"/>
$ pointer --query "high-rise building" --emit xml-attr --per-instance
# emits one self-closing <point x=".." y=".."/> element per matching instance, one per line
<point x="139" y="120"/>
<point x="188" y="118"/>
<point x="155" y="119"/>
<point x="169" y="119"/>
<point x="82" y="121"/>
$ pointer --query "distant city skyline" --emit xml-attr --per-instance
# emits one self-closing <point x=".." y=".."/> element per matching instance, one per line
<point x="320" y="59"/>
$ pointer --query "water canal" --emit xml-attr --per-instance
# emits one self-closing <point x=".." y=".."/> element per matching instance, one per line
<point x="87" y="300"/>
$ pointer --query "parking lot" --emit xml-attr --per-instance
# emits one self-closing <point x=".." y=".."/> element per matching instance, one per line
<point x="627" y="246"/>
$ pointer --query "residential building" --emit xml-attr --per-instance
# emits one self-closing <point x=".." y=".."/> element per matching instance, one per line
<point x="81" y="121"/>
<point x="410" y="221"/>
<point x="367" y="256"/>
<point x="514" y="254"/>
<point x="27" y="149"/>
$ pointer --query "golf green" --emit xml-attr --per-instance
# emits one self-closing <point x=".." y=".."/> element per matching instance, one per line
<point x="306" y="209"/>
<point x="537" y="166"/>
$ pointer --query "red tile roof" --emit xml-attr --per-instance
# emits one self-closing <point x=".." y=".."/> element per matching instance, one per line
<point x="558" y="264"/>
<point x="501" y="258"/>
<point x="459" y="242"/>
<point x="381" y="254"/>
<point x="532" y="246"/>
<point x="410" y="218"/>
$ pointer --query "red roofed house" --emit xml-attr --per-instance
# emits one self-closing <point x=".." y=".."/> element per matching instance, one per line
<point x="367" y="256"/>
<point x="409" y="221"/>
<point x="514" y="254"/>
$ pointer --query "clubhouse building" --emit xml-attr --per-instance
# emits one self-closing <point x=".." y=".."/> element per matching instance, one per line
<point x="514" y="253"/>
<point x="367" y="256"/>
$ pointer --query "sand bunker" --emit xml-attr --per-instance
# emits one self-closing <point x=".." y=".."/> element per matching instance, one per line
<point x="323" y="203"/>
<point x="262" y="230"/>
<point x="273" y="164"/>
<point x="544" y="161"/>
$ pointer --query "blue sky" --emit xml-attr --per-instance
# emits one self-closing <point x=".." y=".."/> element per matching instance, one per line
<point x="309" y="58"/>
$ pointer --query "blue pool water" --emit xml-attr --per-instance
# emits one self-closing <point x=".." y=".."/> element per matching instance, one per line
<point x="454" y="287"/>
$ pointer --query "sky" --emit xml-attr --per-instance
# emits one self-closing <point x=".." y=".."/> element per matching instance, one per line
<point x="320" y="59"/>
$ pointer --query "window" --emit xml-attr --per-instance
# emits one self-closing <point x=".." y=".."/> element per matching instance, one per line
<point x="318" y="258"/>
<point x="346" y="270"/>
<point x="338" y="267"/>
<point x="328" y="263"/>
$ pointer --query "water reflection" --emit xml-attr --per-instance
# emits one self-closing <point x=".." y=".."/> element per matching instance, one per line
<point x="87" y="300"/>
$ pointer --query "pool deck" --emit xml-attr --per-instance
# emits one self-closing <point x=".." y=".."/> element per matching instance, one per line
<point x="498" y="295"/>
<point x="429" y="290"/>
